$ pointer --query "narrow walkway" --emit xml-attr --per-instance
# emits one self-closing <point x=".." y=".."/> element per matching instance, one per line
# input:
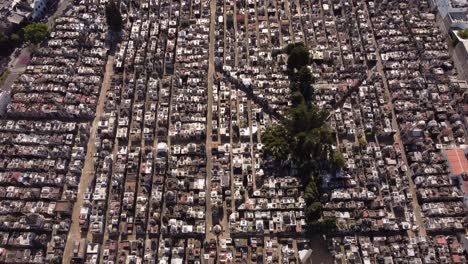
<point x="88" y="168"/>
<point x="211" y="69"/>
<point x="417" y="213"/>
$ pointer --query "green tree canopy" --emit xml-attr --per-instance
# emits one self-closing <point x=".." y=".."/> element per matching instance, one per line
<point x="304" y="76"/>
<point x="4" y="41"/>
<point x="463" y="34"/>
<point x="289" y="48"/>
<point x="313" y="212"/>
<point x="15" y="38"/>
<point x="304" y="136"/>
<point x="297" y="98"/>
<point x="311" y="193"/>
<point x="304" y="80"/>
<point x="229" y="20"/>
<point x="276" y="140"/>
<point x="113" y="16"/>
<point x="303" y="119"/>
<point x="337" y="160"/>
<point x="36" y="32"/>
<point x="362" y="141"/>
<point x="298" y="57"/>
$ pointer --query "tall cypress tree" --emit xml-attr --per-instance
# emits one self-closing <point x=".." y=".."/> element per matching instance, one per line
<point x="113" y="16"/>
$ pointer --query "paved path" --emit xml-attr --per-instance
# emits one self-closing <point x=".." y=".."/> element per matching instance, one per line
<point x="211" y="67"/>
<point x="16" y="67"/>
<point x="88" y="168"/>
<point x="62" y="5"/>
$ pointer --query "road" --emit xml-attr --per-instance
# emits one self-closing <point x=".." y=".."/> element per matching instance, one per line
<point x="88" y="168"/>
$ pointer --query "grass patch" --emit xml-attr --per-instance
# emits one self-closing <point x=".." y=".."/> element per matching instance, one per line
<point x="463" y="33"/>
<point x="4" y="77"/>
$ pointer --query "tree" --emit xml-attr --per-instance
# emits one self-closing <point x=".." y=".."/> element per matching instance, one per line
<point x="463" y="34"/>
<point x="312" y="149"/>
<point x="304" y="79"/>
<point x="36" y="32"/>
<point x="276" y="140"/>
<point x="303" y="119"/>
<point x="304" y="76"/>
<point x="311" y="193"/>
<point x="4" y="41"/>
<point x="297" y="98"/>
<point x="369" y="133"/>
<point x="303" y="137"/>
<point x="313" y="212"/>
<point x="289" y="48"/>
<point x="362" y="141"/>
<point x="113" y="16"/>
<point x="229" y="20"/>
<point x="298" y="57"/>
<point x="15" y="38"/>
<point x="337" y="160"/>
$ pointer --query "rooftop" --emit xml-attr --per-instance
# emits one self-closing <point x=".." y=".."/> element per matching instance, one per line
<point x="457" y="161"/>
<point x="459" y="3"/>
<point x="459" y="17"/>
